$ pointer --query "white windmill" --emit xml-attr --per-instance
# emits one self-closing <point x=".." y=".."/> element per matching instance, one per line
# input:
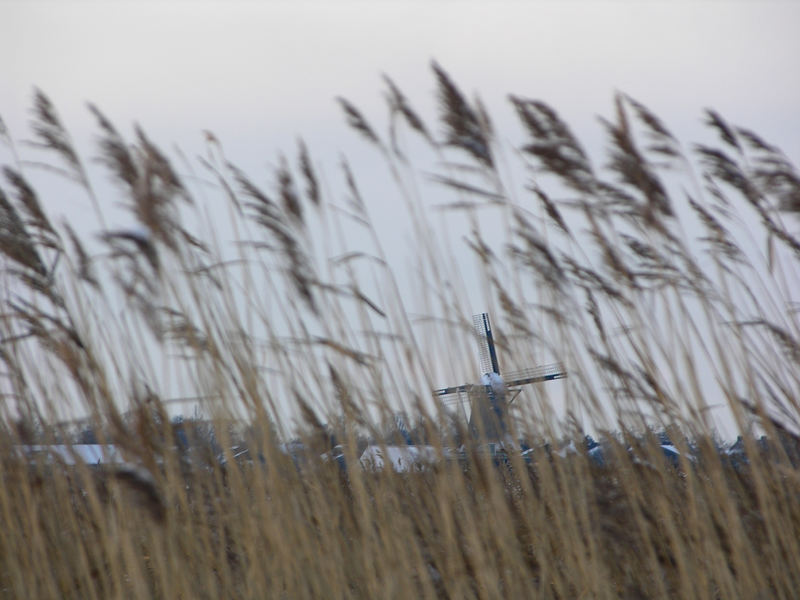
<point x="488" y="399"/>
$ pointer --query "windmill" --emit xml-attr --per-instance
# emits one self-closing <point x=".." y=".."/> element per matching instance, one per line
<point x="488" y="398"/>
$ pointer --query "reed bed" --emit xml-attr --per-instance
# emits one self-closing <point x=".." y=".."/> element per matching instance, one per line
<point x="663" y="277"/>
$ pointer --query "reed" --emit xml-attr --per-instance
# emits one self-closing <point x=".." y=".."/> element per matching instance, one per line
<point x="664" y="278"/>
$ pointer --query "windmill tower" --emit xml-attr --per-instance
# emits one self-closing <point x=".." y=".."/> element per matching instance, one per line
<point x="490" y="398"/>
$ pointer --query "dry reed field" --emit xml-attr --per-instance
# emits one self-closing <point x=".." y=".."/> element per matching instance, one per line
<point x="662" y="275"/>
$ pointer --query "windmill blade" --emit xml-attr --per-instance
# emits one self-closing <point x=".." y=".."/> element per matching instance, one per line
<point x="535" y="375"/>
<point x="462" y="396"/>
<point x="458" y="389"/>
<point x="486" y="349"/>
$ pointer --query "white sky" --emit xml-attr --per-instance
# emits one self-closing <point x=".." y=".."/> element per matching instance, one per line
<point x="260" y="74"/>
<point x="274" y="67"/>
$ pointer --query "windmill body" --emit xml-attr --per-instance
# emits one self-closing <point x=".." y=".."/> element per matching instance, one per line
<point x="489" y="400"/>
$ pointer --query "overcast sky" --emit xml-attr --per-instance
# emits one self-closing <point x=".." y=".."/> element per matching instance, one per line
<point x="273" y="68"/>
<point x="260" y="74"/>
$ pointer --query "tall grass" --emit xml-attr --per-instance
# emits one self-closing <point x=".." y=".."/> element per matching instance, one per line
<point x="664" y="278"/>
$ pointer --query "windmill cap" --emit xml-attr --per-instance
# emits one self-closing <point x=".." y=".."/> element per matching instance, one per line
<point x="494" y="381"/>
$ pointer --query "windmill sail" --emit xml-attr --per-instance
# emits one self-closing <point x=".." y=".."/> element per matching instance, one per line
<point x="535" y="375"/>
<point x="486" y="349"/>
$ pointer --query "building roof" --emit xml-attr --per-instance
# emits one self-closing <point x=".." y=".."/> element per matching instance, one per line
<point x="71" y="454"/>
<point x="401" y="458"/>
